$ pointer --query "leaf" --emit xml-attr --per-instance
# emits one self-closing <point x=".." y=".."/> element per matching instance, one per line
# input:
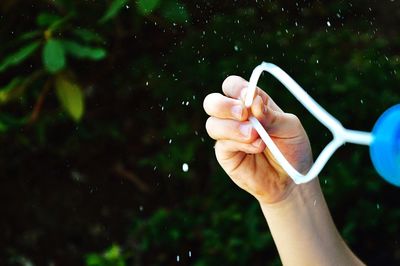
<point x="7" y="121"/>
<point x="7" y="91"/>
<point x="3" y="127"/>
<point x="19" y="56"/>
<point x="61" y="22"/>
<point x="113" y="253"/>
<point x="113" y="10"/>
<point x="53" y="56"/>
<point x="29" y="35"/>
<point x="147" y="6"/>
<point x="46" y="19"/>
<point x="175" y="12"/>
<point x="88" y="35"/>
<point x="82" y="51"/>
<point x="70" y="96"/>
<point x="94" y="260"/>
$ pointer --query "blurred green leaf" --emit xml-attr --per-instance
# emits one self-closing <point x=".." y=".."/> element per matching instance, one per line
<point x="111" y="257"/>
<point x="93" y="260"/>
<point x="88" y="35"/>
<point x="19" y="56"/>
<point x="175" y="12"/>
<point x="8" y="121"/>
<point x="82" y="51"/>
<point x="56" y="25"/>
<point x="6" y="91"/>
<point x="114" y="252"/>
<point x="113" y="10"/>
<point x="46" y="19"/>
<point x="71" y="97"/>
<point x="147" y="6"/>
<point x="3" y="127"/>
<point x="54" y="56"/>
<point x="29" y="35"/>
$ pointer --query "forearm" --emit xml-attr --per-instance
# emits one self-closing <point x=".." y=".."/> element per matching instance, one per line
<point x="303" y="230"/>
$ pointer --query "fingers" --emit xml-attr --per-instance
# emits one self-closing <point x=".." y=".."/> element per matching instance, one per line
<point x="226" y="148"/>
<point x="225" y="129"/>
<point x="268" y="117"/>
<point x="217" y="105"/>
<point x="235" y="87"/>
<point x="277" y="123"/>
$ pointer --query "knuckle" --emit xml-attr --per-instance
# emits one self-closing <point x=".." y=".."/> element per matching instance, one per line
<point x="294" y="119"/>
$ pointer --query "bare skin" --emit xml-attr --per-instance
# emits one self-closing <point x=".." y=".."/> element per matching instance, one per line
<point x="297" y="215"/>
<point x="240" y="151"/>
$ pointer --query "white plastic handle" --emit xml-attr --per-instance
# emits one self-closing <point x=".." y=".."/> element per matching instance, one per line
<point x="341" y="135"/>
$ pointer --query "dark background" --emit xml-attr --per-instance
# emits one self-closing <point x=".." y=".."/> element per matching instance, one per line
<point x="91" y="171"/>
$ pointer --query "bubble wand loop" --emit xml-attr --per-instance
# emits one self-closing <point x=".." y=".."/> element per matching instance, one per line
<point x="384" y="138"/>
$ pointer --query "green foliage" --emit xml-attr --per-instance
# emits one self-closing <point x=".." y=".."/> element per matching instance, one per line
<point x="175" y="11"/>
<point x="88" y="35"/>
<point x="18" y="57"/>
<point x="70" y="96"/>
<point x="6" y="92"/>
<point x="113" y="10"/>
<point x="46" y="19"/>
<point x="111" y="257"/>
<point x="147" y="6"/>
<point x="82" y="51"/>
<point x="54" y="59"/>
<point x="53" y="56"/>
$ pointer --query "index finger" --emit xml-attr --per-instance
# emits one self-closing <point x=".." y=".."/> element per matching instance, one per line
<point x="233" y="87"/>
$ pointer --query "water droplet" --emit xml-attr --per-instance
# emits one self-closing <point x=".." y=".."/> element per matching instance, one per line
<point x="328" y="23"/>
<point x="185" y="167"/>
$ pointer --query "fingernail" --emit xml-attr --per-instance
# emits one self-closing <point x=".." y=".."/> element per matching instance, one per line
<point x="245" y="129"/>
<point x="237" y="111"/>
<point x="257" y="143"/>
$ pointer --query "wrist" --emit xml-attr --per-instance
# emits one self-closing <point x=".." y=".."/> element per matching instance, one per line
<point x="295" y="195"/>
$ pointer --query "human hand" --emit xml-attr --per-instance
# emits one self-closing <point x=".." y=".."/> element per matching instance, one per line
<point x="241" y="152"/>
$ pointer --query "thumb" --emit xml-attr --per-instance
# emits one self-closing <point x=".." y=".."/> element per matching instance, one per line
<point x="278" y="124"/>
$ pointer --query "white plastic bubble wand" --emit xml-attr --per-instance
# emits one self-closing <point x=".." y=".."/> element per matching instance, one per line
<point x="385" y="137"/>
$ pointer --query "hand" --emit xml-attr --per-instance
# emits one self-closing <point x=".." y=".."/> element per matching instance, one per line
<point x="241" y="152"/>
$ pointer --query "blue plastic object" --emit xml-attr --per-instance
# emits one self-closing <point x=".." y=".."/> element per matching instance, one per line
<point x="385" y="147"/>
